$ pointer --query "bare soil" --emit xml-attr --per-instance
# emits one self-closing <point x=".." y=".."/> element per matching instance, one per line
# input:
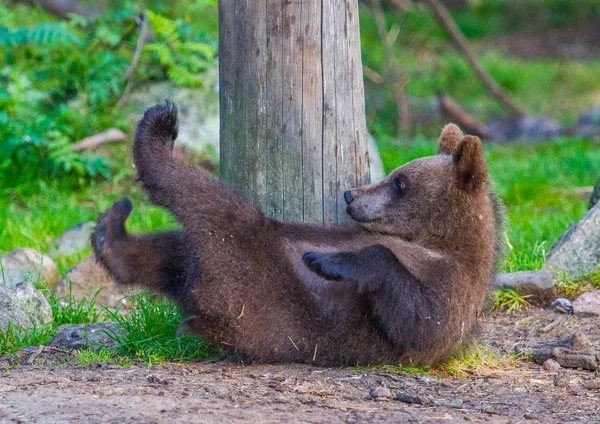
<point x="228" y="392"/>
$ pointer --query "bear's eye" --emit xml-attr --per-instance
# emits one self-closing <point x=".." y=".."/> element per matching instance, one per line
<point x="400" y="186"/>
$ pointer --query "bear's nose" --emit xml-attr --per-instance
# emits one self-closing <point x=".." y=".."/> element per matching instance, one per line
<point x="348" y="197"/>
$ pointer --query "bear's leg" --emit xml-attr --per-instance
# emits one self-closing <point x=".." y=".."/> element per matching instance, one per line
<point x="158" y="262"/>
<point x="406" y="310"/>
<point x="190" y="193"/>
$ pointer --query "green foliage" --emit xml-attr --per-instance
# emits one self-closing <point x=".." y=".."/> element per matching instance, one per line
<point x="67" y="310"/>
<point x="14" y="339"/>
<point x="509" y="300"/>
<point x="150" y="334"/>
<point x="571" y="287"/>
<point x="60" y="82"/>
<point x="552" y="87"/>
<point x="183" y="60"/>
<point x="88" y="356"/>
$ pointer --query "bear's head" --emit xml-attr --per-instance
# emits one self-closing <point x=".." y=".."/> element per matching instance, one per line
<point x="436" y="198"/>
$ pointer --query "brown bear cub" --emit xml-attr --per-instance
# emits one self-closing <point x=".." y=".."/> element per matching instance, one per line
<point x="404" y="284"/>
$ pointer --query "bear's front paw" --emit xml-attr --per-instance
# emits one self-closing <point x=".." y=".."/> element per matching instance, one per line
<point x="323" y="265"/>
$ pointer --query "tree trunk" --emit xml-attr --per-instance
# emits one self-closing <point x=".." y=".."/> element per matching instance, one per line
<point x="293" y="131"/>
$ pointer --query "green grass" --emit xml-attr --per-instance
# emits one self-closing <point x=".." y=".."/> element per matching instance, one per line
<point x="35" y="213"/>
<point x="150" y="337"/>
<point x="149" y="332"/>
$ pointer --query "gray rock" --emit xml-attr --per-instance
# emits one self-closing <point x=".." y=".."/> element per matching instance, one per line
<point x="551" y="365"/>
<point x="578" y="249"/>
<point x="562" y="305"/>
<point x="23" y="306"/>
<point x="587" y="304"/>
<point x="89" y="278"/>
<point x="588" y="124"/>
<point x="380" y="393"/>
<point x="529" y="283"/>
<point x="27" y="264"/>
<point x="75" y="239"/>
<point x="198" y="109"/>
<point x="527" y="128"/>
<point x="453" y="403"/>
<point x="87" y="336"/>
<point x="375" y="162"/>
<point x="406" y="398"/>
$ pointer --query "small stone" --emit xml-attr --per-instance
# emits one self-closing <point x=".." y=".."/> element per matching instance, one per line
<point x="406" y="398"/>
<point x="562" y="306"/>
<point x="24" y="307"/>
<point x="75" y="239"/>
<point x="581" y="341"/>
<point x="86" y="336"/>
<point x="593" y="384"/>
<point x="551" y="365"/>
<point x="88" y="279"/>
<point x="588" y="304"/>
<point x="562" y="379"/>
<point x="520" y="390"/>
<point x="26" y="265"/>
<point x="380" y="393"/>
<point x="453" y="403"/>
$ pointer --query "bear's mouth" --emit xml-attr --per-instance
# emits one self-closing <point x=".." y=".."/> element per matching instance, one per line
<point x="359" y="218"/>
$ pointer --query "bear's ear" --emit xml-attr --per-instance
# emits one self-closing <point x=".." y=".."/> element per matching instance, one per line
<point x="469" y="163"/>
<point x="449" y="139"/>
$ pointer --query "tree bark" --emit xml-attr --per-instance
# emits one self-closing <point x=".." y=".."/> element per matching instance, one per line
<point x="293" y="129"/>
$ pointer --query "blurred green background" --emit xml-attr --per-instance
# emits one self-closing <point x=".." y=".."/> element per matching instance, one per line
<point x="63" y="79"/>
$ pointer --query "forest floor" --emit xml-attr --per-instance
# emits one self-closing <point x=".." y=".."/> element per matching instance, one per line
<point x="507" y="390"/>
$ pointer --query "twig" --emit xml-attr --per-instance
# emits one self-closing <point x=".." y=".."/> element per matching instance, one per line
<point x="387" y="39"/>
<point x="35" y="354"/>
<point x="294" y="343"/>
<point x="462" y="118"/>
<point x="130" y="72"/>
<point x="443" y="16"/>
<point x="96" y="140"/>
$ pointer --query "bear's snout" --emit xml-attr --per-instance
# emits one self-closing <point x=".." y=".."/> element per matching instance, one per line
<point x="348" y="197"/>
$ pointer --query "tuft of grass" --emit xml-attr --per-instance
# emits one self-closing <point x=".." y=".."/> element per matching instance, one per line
<point x="16" y="338"/>
<point x="509" y="300"/>
<point x="480" y="360"/>
<point x="67" y="310"/>
<point x="150" y="334"/>
<point x="570" y="287"/>
<point x="88" y="356"/>
<point x="473" y="360"/>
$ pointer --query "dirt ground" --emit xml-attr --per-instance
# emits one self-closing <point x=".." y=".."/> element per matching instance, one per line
<point x="226" y="392"/>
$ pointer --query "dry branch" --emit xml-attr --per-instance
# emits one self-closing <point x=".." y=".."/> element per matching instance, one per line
<point x="97" y="140"/>
<point x="443" y="16"/>
<point x="393" y="67"/>
<point x="130" y="72"/>
<point x="63" y="8"/>
<point x="460" y="117"/>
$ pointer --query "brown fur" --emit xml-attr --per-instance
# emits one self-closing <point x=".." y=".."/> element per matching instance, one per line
<point x="405" y="284"/>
